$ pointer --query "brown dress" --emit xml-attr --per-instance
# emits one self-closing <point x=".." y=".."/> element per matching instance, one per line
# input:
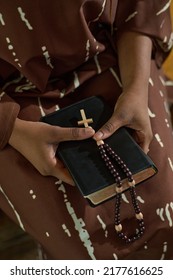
<point x="53" y="53"/>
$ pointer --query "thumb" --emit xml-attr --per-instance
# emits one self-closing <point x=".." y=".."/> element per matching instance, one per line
<point x="108" y="128"/>
<point x="74" y="133"/>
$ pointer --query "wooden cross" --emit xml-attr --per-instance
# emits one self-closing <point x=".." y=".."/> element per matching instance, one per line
<point x="84" y="120"/>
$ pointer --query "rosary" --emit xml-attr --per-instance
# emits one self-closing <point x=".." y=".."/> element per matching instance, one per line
<point x="109" y="156"/>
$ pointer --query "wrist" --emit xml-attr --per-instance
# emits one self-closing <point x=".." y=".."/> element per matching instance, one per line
<point x="135" y="61"/>
<point x="137" y="96"/>
<point x="17" y="130"/>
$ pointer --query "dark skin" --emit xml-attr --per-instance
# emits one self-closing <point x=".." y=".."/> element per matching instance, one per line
<point x="131" y="110"/>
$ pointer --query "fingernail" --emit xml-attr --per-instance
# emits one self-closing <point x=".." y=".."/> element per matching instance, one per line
<point x="90" y="130"/>
<point x="98" y="135"/>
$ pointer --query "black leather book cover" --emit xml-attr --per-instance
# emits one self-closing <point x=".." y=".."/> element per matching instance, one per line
<point x="83" y="160"/>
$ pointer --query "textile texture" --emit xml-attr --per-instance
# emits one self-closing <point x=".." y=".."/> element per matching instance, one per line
<point x="52" y="55"/>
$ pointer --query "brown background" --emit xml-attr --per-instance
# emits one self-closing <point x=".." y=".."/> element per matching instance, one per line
<point x="168" y="65"/>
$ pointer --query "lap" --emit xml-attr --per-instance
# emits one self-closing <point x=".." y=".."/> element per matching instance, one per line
<point x="61" y="220"/>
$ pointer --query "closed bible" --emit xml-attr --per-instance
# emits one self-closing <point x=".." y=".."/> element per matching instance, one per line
<point x="83" y="160"/>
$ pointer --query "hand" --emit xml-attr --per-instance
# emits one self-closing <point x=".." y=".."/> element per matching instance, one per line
<point x="38" y="143"/>
<point x="131" y="110"/>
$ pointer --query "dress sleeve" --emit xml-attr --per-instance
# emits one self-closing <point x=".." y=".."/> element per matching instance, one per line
<point x="9" y="110"/>
<point x="151" y="18"/>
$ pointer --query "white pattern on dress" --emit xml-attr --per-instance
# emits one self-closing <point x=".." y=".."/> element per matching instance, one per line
<point x="41" y="107"/>
<point x="101" y="12"/>
<point x="32" y="194"/>
<point x="2" y="94"/>
<point x="87" y="50"/>
<point x="171" y="205"/>
<point x="97" y="64"/>
<point x="11" y="82"/>
<point x="151" y="82"/>
<point x="161" y="93"/>
<point x="97" y="46"/>
<point x="161" y="211"/>
<point x="115" y="256"/>
<point x="11" y="48"/>
<point x="57" y="108"/>
<point x="2" y="20"/>
<point x="103" y="225"/>
<point x="165" y="39"/>
<point x="162" y="80"/>
<point x="131" y="16"/>
<point x="151" y="115"/>
<point x="167" y="107"/>
<point x="165" y="247"/>
<point x="14" y="210"/>
<point x="168" y="214"/>
<point x="115" y="76"/>
<point x="26" y="86"/>
<point x="47" y="56"/>
<point x="167" y="123"/>
<point x="157" y="136"/>
<point x="66" y="230"/>
<point x="76" y="80"/>
<point x="162" y="23"/>
<point x="22" y="16"/>
<point x="124" y="198"/>
<point x="140" y="199"/>
<point x="79" y="225"/>
<point x="62" y="93"/>
<point x="145" y="246"/>
<point x="164" y="8"/>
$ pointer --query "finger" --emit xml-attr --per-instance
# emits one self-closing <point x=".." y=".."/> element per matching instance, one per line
<point x="108" y="129"/>
<point x="73" y="133"/>
<point x="143" y="140"/>
<point x="63" y="174"/>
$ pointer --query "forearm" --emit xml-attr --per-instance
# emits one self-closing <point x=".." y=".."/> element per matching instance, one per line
<point x="9" y="110"/>
<point x="134" y="54"/>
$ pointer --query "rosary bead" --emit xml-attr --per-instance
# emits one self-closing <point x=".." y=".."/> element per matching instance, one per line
<point x="128" y="240"/>
<point x="129" y="175"/>
<point x="110" y="157"/>
<point x="120" y="234"/>
<point x="117" y="216"/>
<point x="139" y="216"/>
<point x="118" y="227"/>
<point x="131" y="183"/>
<point x="138" y="235"/>
<point x="124" y="237"/>
<point x="143" y="228"/>
<point x="113" y="171"/>
<point x="100" y="142"/>
<point x="141" y="223"/>
<point x="118" y="199"/>
<point x="118" y="179"/>
<point x="119" y="189"/>
<point x="123" y="165"/>
<point x="134" y="238"/>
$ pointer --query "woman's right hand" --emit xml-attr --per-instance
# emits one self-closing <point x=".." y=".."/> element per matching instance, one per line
<point x="38" y="142"/>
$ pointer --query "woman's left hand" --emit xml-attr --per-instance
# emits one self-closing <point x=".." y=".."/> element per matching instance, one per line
<point x="131" y="110"/>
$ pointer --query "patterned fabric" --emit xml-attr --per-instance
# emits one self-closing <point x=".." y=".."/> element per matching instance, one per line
<point x="52" y="55"/>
